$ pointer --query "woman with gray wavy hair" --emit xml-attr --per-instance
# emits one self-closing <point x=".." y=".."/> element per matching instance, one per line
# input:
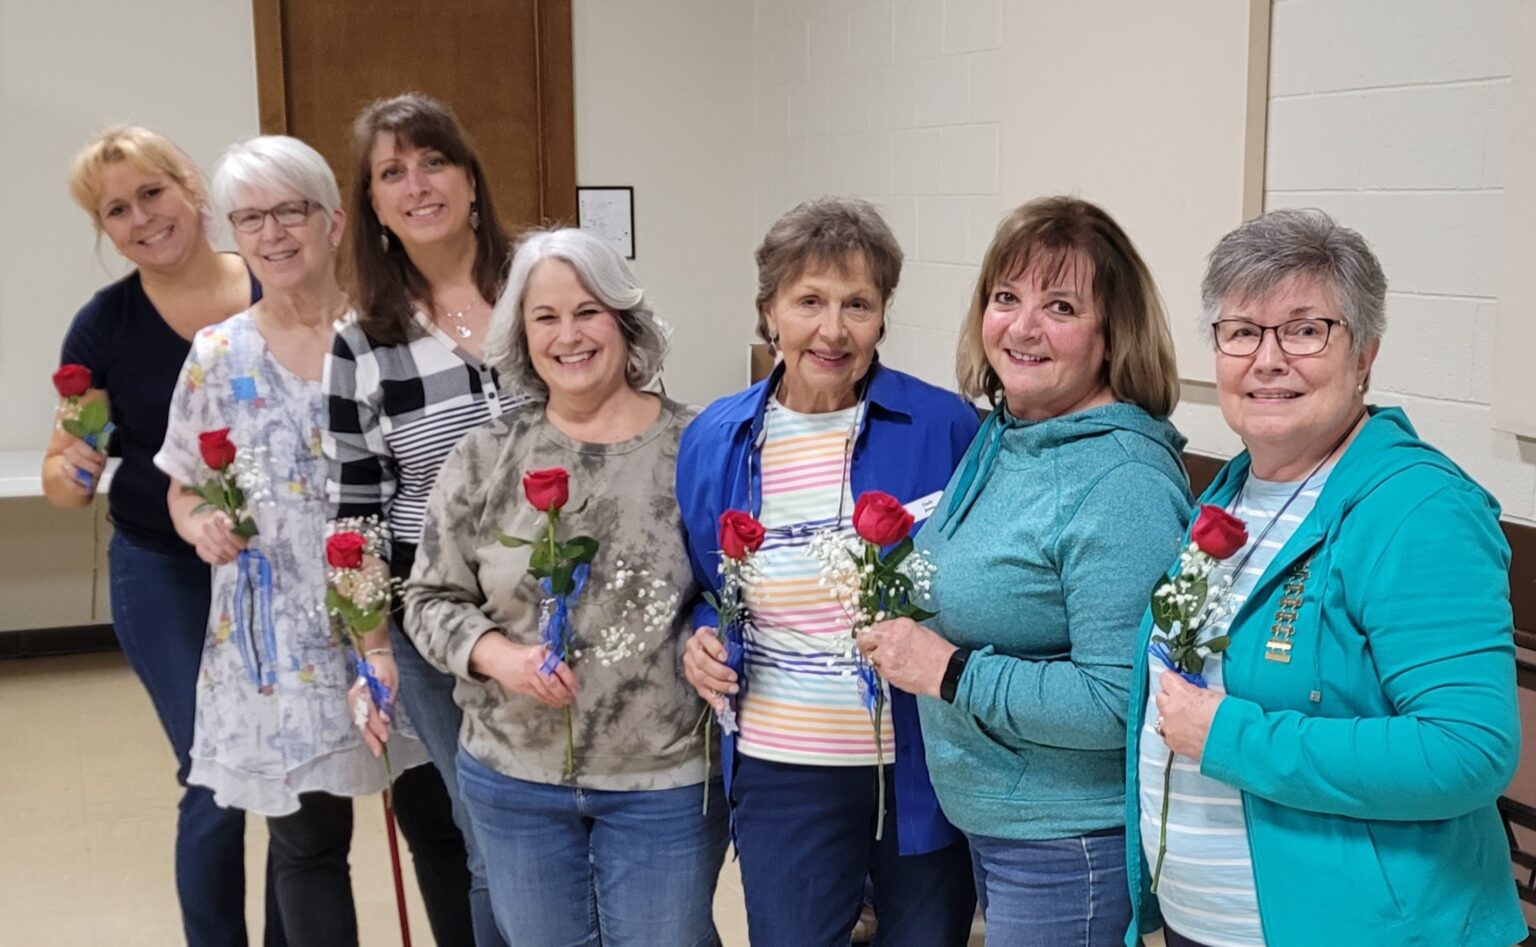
<point x="1316" y="757"/>
<point x="580" y="771"/>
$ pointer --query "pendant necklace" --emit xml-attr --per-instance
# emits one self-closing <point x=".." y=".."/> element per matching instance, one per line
<point x="460" y="328"/>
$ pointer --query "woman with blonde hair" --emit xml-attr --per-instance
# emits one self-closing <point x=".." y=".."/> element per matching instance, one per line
<point x="147" y="197"/>
<point x="1065" y="510"/>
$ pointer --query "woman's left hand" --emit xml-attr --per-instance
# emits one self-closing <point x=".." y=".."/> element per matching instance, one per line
<point x="1185" y="712"/>
<point x="907" y="655"/>
<point x="376" y="730"/>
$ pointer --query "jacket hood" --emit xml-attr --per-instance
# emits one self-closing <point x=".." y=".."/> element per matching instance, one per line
<point x="1003" y="433"/>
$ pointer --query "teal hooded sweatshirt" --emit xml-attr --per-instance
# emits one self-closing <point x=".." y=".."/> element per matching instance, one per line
<point x="1370" y="764"/>
<point x="1047" y="542"/>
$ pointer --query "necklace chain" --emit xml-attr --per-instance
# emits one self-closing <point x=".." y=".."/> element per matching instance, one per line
<point x="460" y="328"/>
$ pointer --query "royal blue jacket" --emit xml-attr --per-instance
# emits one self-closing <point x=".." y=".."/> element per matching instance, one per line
<point x="912" y="436"/>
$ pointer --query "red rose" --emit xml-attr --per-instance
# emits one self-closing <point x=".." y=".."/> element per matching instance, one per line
<point x="345" y="550"/>
<point x="72" y="380"/>
<point x="740" y="533"/>
<point x="880" y="518"/>
<point x="1218" y="533"/>
<point x="217" y="449"/>
<point x="547" y="489"/>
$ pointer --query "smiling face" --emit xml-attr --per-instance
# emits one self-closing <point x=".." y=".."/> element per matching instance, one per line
<point x="574" y="340"/>
<point x="1286" y="406"/>
<point x="286" y="259"/>
<point x="150" y="219"/>
<point x="418" y="194"/>
<point x="827" y="321"/>
<point x="1043" y="334"/>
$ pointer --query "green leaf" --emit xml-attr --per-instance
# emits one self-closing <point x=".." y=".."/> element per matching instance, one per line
<point x="560" y="579"/>
<point x="1193" y="662"/>
<point x="1164" y="612"/>
<point x="74" y="427"/>
<point x="1219" y="643"/>
<point x="541" y="563"/>
<point x="579" y="549"/>
<point x="513" y="542"/>
<point x="712" y="601"/>
<point x="246" y="528"/>
<point x="916" y="613"/>
<point x="1201" y="588"/>
<point x="902" y="551"/>
<point x="92" y="417"/>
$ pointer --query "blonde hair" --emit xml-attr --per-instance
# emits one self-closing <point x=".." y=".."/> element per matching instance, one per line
<point x="146" y="151"/>
<point x="1048" y="234"/>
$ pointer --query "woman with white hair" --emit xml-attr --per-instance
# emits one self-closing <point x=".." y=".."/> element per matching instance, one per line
<point x="274" y="732"/>
<point x="599" y="839"/>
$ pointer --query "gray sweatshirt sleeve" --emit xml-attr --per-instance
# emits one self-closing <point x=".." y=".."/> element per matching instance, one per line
<point x="444" y="601"/>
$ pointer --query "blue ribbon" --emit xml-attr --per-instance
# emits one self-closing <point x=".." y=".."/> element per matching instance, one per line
<point x="96" y="442"/>
<point x="378" y="691"/>
<point x="1160" y="651"/>
<point x="735" y="659"/>
<point x="256" y="637"/>
<point x="555" y="623"/>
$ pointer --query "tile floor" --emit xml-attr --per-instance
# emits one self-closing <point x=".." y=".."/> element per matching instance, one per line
<point x="87" y="818"/>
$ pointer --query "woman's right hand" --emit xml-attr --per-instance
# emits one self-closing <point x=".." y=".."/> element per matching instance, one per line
<point x="78" y="456"/>
<point x="212" y="538"/>
<point x="516" y="667"/>
<point x="704" y="666"/>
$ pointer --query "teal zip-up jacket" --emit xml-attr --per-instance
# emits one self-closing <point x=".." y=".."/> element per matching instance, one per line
<point x="1370" y="764"/>
<point x="1047" y="542"/>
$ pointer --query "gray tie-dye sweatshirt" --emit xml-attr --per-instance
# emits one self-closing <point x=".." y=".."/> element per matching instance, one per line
<point x="634" y="714"/>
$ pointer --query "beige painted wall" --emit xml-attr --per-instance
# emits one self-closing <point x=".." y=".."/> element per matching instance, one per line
<point x="664" y="103"/>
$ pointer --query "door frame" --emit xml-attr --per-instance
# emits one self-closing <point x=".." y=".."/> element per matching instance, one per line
<point x="556" y="93"/>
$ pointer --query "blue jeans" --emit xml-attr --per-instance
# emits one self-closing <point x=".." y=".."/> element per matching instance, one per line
<point x="574" y="867"/>
<point x="428" y="696"/>
<point x="806" y="839"/>
<point x="160" y="614"/>
<point x="1068" y="892"/>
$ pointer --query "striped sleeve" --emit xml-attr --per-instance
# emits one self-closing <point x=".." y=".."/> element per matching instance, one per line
<point x="361" y="476"/>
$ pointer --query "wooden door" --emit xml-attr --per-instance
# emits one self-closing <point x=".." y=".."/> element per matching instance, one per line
<point x="504" y="66"/>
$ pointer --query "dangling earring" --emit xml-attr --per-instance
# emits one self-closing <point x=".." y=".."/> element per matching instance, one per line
<point x="384" y="240"/>
<point x="474" y="217"/>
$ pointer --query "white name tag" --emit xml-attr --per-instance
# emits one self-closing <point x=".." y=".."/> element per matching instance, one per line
<point x="923" y="507"/>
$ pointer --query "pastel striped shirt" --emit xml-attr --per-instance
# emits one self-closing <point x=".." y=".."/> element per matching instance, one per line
<point x="802" y="702"/>
<point x="1206" y="889"/>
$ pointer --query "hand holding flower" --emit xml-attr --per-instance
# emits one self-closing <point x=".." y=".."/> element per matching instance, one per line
<point x="519" y="669"/>
<point x="705" y="668"/>
<point x="908" y="655"/>
<point x="214" y="537"/>
<point x="1186" y="712"/>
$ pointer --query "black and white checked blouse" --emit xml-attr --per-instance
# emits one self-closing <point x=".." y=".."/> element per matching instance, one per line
<point x="395" y="413"/>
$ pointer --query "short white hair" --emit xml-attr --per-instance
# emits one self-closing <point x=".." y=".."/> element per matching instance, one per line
<point x="605" y="275"/>
<point x="273" y="163"/>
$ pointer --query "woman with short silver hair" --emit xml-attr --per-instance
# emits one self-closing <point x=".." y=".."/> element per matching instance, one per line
<point x="1316" y="758"/>
<point x="274" y="732"/>
<point x="581" y="771"/>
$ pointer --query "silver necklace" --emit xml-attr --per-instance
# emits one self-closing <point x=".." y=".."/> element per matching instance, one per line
<point x="460" y="328"/>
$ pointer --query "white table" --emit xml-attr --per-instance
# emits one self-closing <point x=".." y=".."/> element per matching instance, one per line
<point x="21" y="473"/>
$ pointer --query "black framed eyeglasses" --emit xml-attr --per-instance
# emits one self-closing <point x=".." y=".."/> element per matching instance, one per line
<point x="287" y="214"/>
<point x="1241" y="338"/>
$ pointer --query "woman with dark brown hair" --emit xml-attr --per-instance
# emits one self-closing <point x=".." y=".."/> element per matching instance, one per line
<point x="405" y="380"/>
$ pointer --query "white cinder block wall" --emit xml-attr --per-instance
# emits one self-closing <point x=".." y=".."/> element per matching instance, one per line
<point x="1391" y="117"/>
<point x="1389" y="114"/>
<point x="895" y="101"/>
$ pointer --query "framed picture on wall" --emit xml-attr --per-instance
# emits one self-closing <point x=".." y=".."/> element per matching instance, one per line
<point x="609" y="212"/>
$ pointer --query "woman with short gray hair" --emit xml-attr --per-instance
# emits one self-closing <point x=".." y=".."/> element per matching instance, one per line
<point x="1316" y="757"/>
<point x="578" y="766"/>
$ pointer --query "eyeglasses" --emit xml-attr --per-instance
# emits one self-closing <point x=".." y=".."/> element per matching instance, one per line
<point x="287" y="214"/>
<point x="1241" y="338"/>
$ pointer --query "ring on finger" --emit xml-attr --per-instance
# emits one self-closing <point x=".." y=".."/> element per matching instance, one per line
<point x="1157" y="725"/>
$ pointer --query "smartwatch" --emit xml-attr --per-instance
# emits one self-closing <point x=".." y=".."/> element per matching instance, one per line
<point x="952" y="674"/>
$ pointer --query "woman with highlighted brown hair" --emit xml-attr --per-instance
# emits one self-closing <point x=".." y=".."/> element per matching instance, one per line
<point x="147" y="197"/>
<point x="404" y="381"/>
<point x="1065" y="510"/>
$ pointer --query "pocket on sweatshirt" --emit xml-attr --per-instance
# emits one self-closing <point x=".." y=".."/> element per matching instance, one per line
<point x="974" y="762"/>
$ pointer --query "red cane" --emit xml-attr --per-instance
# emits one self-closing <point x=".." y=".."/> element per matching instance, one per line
<point x="394" y="863"/>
